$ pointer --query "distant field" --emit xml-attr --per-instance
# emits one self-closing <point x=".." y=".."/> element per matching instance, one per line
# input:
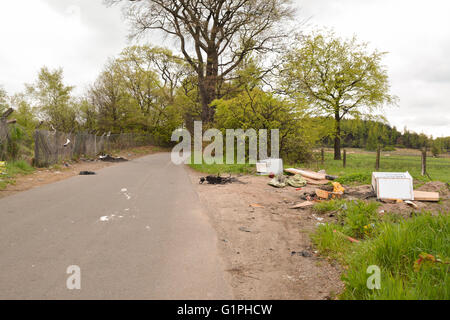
<point x="360" y="165"/>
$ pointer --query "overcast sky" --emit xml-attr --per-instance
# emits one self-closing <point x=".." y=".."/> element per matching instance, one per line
<point x="80" y="35"/>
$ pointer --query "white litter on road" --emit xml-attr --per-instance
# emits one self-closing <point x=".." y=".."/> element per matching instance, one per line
<point x="125" y="192"/>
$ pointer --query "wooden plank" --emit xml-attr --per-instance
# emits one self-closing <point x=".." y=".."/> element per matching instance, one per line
<point x="426" y="196"/>
<point x="307" y="174"/>
<point x="316" y="182"/>
<point x="303" y="205"/>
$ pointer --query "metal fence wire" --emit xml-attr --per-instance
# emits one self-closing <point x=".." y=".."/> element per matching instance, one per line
<point x="4" y="136"/>
<point x="52" y="147"/>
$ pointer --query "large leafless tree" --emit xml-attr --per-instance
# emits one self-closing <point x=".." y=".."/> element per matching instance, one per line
<point x="215" y="36"/>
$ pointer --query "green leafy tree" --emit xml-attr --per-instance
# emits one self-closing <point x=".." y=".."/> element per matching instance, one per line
<point x="4" y="105"/>
<point x="214" y="36"/>
<point x="337" y="78"/>
<point x="53" y="101"/>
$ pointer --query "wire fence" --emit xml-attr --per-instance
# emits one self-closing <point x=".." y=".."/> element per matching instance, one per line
<point x="52" y="147"/>
<point x="4" y="138"/>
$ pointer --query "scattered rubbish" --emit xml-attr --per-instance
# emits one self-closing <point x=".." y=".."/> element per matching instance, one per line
<point x="125" y="192"/>
<point x="303" y="205"/>
<point x="261" y="168"/>
<point x="255" y="205"/>
<point x="322" y="194"/>
<point x="278" y="182"/>
<point x="393" y="185"/>
<point x="298" y="189"/>
<point x="338" y="189"/>
<point x="67" y="143"/>
<point x="108" y="158"/>
<point x="347" y="237"/>
<point x="426" y="258"/>
<point x="303" y="253"/>
<point x="426" y="196"/>
<point x="311" y="174"/>
<point x="87" y="173"/>
<point x="218" y="180"/>
<point x="317" y="182"/>
<point x="296" y="181"/>
<point x="410" y="203"/>
<point x="147" y="227"/>
<point x="243" y="229"/>
<point x="317" y="218"/>
<point x="270" y="166"/>
<point x="106" y="218"/>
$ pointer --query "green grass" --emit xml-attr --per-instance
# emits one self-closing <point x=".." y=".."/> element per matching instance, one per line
<point x="14" y="168"/>
<point x="215" y="169"/>
<point x="394" y="245"/>
<point x="358" y="170"/>
<point x="360" y="166"/>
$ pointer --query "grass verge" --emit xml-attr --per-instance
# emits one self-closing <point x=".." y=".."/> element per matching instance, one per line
<point x="14" y="168"/>
<point x="412" y="254"/>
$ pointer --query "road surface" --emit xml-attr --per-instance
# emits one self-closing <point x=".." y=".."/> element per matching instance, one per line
<point x="136" y="230"/>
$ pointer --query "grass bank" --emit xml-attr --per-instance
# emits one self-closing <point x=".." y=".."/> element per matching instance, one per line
<point x="14" y="168"/>
<point x="412" y="254"/>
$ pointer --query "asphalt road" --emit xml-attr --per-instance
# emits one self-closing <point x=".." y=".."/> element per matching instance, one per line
<point x="136" y="230"/>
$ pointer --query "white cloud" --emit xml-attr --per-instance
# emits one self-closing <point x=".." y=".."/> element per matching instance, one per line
<point x="80" y="35"/>
<point x="36" y="33"/>
<point x="417" y="36"/>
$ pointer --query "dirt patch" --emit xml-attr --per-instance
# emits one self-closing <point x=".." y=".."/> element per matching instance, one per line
<point x="265" y="245"/>
<point x="43" y="176"/>
<point x="405" y="210"/>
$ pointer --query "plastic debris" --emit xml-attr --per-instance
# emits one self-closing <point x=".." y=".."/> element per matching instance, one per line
<point x="87" y="173"/>
<point x="303" y="205"/>
<point x="296" y="181"/>
<point x="108" y="158"/>
<point x="278" y="182"/>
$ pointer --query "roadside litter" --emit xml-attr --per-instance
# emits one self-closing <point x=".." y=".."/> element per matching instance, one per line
<point x="278" y="182"/>
<point x="87" y="173"/>
<point x="393" y="185"/>
<point x="296" y="181"/>
<point x="108" y="158"/>
<point x="398" y="187"/>
<point x="218" y="180"/>
<point x="311" y="174"/>
<point x="270" y="166"/>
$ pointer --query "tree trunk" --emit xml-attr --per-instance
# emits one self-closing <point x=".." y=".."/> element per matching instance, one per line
<point x="337" y="137"/>
<point x="208" y="86"/>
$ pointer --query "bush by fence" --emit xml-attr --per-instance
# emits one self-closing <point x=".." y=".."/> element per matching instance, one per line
<point x="52" y="147"/>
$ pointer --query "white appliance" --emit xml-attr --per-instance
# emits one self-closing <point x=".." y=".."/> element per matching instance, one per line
<point x="269" y="166"/>
<point x="393" y="185"/>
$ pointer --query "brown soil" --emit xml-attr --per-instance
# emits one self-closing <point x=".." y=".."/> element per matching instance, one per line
<point x="44" y="176"/>
<point x="443" y="206"/>
<point x="259" y="234"/>
<point x="262" y="241"/>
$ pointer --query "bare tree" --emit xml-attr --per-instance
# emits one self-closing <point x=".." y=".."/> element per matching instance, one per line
<point x="215" y="36"/>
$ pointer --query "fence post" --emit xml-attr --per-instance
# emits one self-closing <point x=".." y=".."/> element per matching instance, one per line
<point x="424" y="161"/>
<point x="344" y="159"/>
<point x="377" y="163"/>
<point x="322" y="154"/>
